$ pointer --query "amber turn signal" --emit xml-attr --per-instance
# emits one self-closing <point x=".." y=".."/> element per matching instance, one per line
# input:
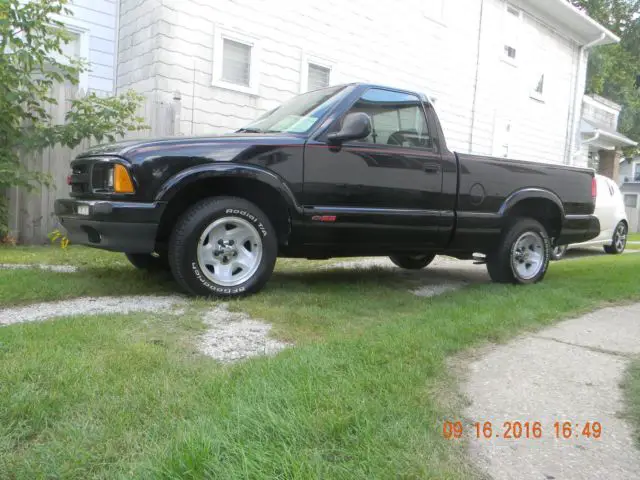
<point x="121" y="180"/>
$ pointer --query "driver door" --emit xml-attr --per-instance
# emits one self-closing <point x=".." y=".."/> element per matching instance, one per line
<point x="383" y="190"/>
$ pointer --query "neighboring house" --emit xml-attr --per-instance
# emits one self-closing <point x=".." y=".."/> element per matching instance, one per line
<point x="630" y="170"/>
<point x="601" y="142"/>
<point x="630" y="188"/>
<point x="93" y="26"/>
<point x="631" y="194"/>
<point x="508" y="78"/>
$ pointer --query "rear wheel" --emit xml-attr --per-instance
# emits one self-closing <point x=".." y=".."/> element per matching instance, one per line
<point x="158" y="262"/>
<point x="223" y="246"/>
<point x="619" y="240"/>
<point x="523" y="254"/>
<point x="412" y="262"/>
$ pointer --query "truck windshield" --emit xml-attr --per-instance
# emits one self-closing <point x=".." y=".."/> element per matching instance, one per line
<point x="298" y="115"/>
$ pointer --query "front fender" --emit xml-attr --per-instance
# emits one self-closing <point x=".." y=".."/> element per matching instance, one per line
<point x="197" y="173"/>
<point x="527" y="193"/>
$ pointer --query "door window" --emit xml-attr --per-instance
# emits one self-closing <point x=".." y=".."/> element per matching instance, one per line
<point x="396" y="119"/>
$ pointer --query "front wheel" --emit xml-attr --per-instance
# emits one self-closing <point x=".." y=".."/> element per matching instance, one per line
<point x="618" y="241"/>
<point x="412" y="262"/>
<point x="523" y="253"/>
<point x="223" y="246"/>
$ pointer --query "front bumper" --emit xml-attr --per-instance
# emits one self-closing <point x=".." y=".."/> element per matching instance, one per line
<point x="116" y="226"/>
<point x="578" y="229"/>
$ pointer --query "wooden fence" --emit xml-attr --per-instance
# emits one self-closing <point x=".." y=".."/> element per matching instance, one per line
<point x="31" y="214"/>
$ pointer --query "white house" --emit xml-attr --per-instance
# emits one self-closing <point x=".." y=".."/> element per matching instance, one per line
<point x="508" y="77"/>
<point x="630" y="171"/>
<point x="93" y="26"/>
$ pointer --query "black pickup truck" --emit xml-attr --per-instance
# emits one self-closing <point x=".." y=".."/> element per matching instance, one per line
<point x="350" y="170"/>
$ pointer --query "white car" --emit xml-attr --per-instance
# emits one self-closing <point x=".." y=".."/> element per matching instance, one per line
<point x="614" y="224"/>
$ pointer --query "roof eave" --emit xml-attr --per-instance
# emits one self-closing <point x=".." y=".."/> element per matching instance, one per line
<point x="584" y="29"/>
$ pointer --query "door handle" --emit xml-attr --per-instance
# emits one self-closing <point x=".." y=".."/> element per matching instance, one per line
<point x="431" y="168"/>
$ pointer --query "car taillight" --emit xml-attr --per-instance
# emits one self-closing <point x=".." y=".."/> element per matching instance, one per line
<point x="594" y="189"/>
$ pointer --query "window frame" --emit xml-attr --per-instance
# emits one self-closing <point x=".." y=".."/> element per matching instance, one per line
<point x="311" y="59"/>
<point x="83" y="30"/>
<point x="435" y="148"/>
<point x="219" y="36"/>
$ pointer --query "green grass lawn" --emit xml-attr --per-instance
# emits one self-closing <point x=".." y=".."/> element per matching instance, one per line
<point x="100" y="273"/>
<point x="632" y="391"/>
<point x="362" y="395"/>
<point x="634" y="237"/>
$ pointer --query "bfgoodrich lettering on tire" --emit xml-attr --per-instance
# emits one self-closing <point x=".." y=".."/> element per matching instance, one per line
<point x="223" y="246"/>
<point x="523" y="254"/>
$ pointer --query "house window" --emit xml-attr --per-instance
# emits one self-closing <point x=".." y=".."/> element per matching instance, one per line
<point x="73" y="47"/>
<point x="236" y="61"/>
<point x="636" y="172"/>
<point x="78" y="46"/>
<point x="318" y="77"/>
<point x="512" y="28"/>
<point x="631" y="201"/>
<point x="537" y="92"/>
<point x="510" y="52"/>
<point x="315" y="72"/>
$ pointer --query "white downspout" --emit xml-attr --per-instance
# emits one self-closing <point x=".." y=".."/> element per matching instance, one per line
<point x="577" y="99"/>
<point x="116" y="54"/>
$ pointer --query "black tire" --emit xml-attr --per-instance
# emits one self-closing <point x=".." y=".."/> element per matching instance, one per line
<point x="413" y="262"/>
<point x="499" y="262"/>
<point x="183" y="246"/>
<point x="558" y="252"/>
<point x="149" y="262"/>
<point x="619" y="239"/>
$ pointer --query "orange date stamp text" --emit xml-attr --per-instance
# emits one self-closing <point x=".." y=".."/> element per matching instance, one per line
<point x="529" y="430"/>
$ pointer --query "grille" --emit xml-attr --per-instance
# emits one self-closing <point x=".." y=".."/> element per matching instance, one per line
<point x="79" y="179"/>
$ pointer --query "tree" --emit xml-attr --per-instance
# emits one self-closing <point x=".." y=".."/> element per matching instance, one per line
<point x="31" y="63"/>
<point x="614" y="69"/>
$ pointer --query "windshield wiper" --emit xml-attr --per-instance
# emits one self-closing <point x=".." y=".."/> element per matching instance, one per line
<point x="249" y="130"/>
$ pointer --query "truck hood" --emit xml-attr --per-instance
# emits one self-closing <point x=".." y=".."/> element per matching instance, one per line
<point x="222" y="147"/>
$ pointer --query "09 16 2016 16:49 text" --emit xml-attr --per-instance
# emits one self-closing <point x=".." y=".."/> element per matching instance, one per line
<point x="563" y="430"/>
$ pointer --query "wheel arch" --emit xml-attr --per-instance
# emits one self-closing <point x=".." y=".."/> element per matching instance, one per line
<point x="263" y="188"/>
<point x="537" y="203"/>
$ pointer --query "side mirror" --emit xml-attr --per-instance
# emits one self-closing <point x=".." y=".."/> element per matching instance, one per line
<point x="355" y="126"/>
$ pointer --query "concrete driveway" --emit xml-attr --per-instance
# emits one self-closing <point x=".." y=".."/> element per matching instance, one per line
<point x="567" y="373"/>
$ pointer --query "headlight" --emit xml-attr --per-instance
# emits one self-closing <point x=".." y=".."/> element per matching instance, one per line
<point x="111" y="178"/>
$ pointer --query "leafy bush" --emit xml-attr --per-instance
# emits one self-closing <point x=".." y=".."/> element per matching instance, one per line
<point x="31" y="63"/>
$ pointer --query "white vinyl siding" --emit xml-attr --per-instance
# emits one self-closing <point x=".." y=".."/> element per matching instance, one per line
<point x="456" y="61"/>
<point x="93" y="25"/>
